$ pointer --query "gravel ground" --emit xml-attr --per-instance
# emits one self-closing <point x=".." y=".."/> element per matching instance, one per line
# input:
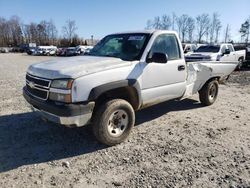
<point x="174" y="144"/>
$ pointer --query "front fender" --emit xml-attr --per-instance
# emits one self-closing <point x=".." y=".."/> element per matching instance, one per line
<point x="97" y="91"/>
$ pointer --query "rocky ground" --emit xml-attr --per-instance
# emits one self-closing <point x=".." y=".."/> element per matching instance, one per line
<point x="174" y="144"/>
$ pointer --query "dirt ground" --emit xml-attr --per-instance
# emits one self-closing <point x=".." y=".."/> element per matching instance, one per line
<point x="174" y="144"/>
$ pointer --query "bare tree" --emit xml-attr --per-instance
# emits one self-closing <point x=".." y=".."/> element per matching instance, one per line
<point x="42" y="32"/>
<point x="157" y="23"/>
<point x="10" y="31"/>
<point x="165" y="22"/>
<point x="183" y="25"/>
<point x="190" y="28"/>
<point x="52" y="32"/>
<point x="149" y="24"/>
<point x="15" y="30"/>
<point x="173" y="21"/>
<point x="33" y="32"/>
<point x="69" y="30"/>
<point x="4" y="34"/>
<point x="227" y="34"/>
<point x="202" y="23"/>
<point x="214" y="28"/>
<point x="218" y="27"/>
<point x="245" y="30"/>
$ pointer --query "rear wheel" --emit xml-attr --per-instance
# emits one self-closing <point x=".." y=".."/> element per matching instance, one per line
<point x="209" y="92"/>
<point x="239" y="66"/>
<point x="113" y="122"/>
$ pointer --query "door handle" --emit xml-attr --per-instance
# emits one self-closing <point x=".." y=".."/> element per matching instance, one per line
<point x="181" y="67"/>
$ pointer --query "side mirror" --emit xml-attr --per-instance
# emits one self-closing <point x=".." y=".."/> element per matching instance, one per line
<point x="157" y="58"/>
<point x="227" y="51"/>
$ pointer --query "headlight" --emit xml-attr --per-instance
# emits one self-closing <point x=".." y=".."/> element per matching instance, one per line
<point x="60" y="97"/>
<point x="62" y="84"/>
<point x="60" y="90"/>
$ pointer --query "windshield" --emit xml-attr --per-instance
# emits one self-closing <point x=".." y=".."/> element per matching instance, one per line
<point x="124" y="46"/>
<point x="213" y="49"/>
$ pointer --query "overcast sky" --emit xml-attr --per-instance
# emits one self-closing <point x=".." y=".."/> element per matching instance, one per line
<point x="101" y="17"/>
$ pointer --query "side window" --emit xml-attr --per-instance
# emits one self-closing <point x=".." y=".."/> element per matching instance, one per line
<point x="223" y="49"/>
<point x="167" y="44"/>
<point x="230" y="48"/>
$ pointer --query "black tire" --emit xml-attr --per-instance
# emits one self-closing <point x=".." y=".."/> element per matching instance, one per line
<point x="108" y="122"/>
<point x="209" y="92"/>
<point x="239" y="66"/>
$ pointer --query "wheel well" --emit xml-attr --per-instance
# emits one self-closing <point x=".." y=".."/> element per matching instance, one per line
<point x="127" y="93"/>
<point x="241" y="58"/>
<point x="213" y="78"/>
<point x="209" y="80"/>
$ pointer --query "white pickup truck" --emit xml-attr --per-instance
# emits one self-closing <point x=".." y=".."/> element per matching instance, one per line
<point x="123" y="73"/>
<point x="222" y="52"/>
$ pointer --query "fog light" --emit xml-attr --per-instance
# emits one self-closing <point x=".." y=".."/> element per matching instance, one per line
<point x="60" y="97"/>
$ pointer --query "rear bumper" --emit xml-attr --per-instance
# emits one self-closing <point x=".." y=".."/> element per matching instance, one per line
<point x="66" y="114"/>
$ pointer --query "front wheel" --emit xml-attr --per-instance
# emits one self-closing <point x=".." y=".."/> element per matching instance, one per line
<point x="113" y="122"/>
<point x="209" y="92"/>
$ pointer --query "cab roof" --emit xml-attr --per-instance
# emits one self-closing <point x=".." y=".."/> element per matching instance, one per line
<point x="144" y="32"/>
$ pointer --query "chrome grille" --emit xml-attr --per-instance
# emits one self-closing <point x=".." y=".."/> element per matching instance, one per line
<point x="38" y="87"/>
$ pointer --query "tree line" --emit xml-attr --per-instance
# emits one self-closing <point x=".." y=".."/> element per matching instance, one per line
<point x="204" y="28"/>
<point x="14" y="33"/>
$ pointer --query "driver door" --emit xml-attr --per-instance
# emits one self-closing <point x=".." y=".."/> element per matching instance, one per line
<point x="164" y="81"/>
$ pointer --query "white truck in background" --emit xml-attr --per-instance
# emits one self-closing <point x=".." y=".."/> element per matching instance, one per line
<point x="84" y="49"/>
<point x="222" y="52"/>
<point x="123" y="73"/>
<point x="188" y="48"/>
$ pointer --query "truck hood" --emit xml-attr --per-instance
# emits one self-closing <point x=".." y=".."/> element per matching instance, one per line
<point x="201" y="54"/>
<point x="74" y="67"/>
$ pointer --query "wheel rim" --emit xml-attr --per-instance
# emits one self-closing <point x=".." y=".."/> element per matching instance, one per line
<point x="240" y="63"/>
<point x="117" y="123"/>
<point x="212" y="92"/>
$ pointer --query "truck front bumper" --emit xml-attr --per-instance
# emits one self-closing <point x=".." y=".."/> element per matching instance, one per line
<point x="70" y="115"/>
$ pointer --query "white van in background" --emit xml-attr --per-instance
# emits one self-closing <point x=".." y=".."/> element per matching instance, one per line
<point x="46" y="50"/>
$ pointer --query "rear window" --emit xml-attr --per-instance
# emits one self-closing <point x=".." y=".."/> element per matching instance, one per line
<point x="212" y="49"/>
<point x="237" y="48"/>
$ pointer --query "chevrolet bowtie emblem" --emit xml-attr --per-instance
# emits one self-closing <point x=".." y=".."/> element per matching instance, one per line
<point x="32" y="85"/>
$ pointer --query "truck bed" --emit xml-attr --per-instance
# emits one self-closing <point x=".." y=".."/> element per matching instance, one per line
<point x="200" y="72"/>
